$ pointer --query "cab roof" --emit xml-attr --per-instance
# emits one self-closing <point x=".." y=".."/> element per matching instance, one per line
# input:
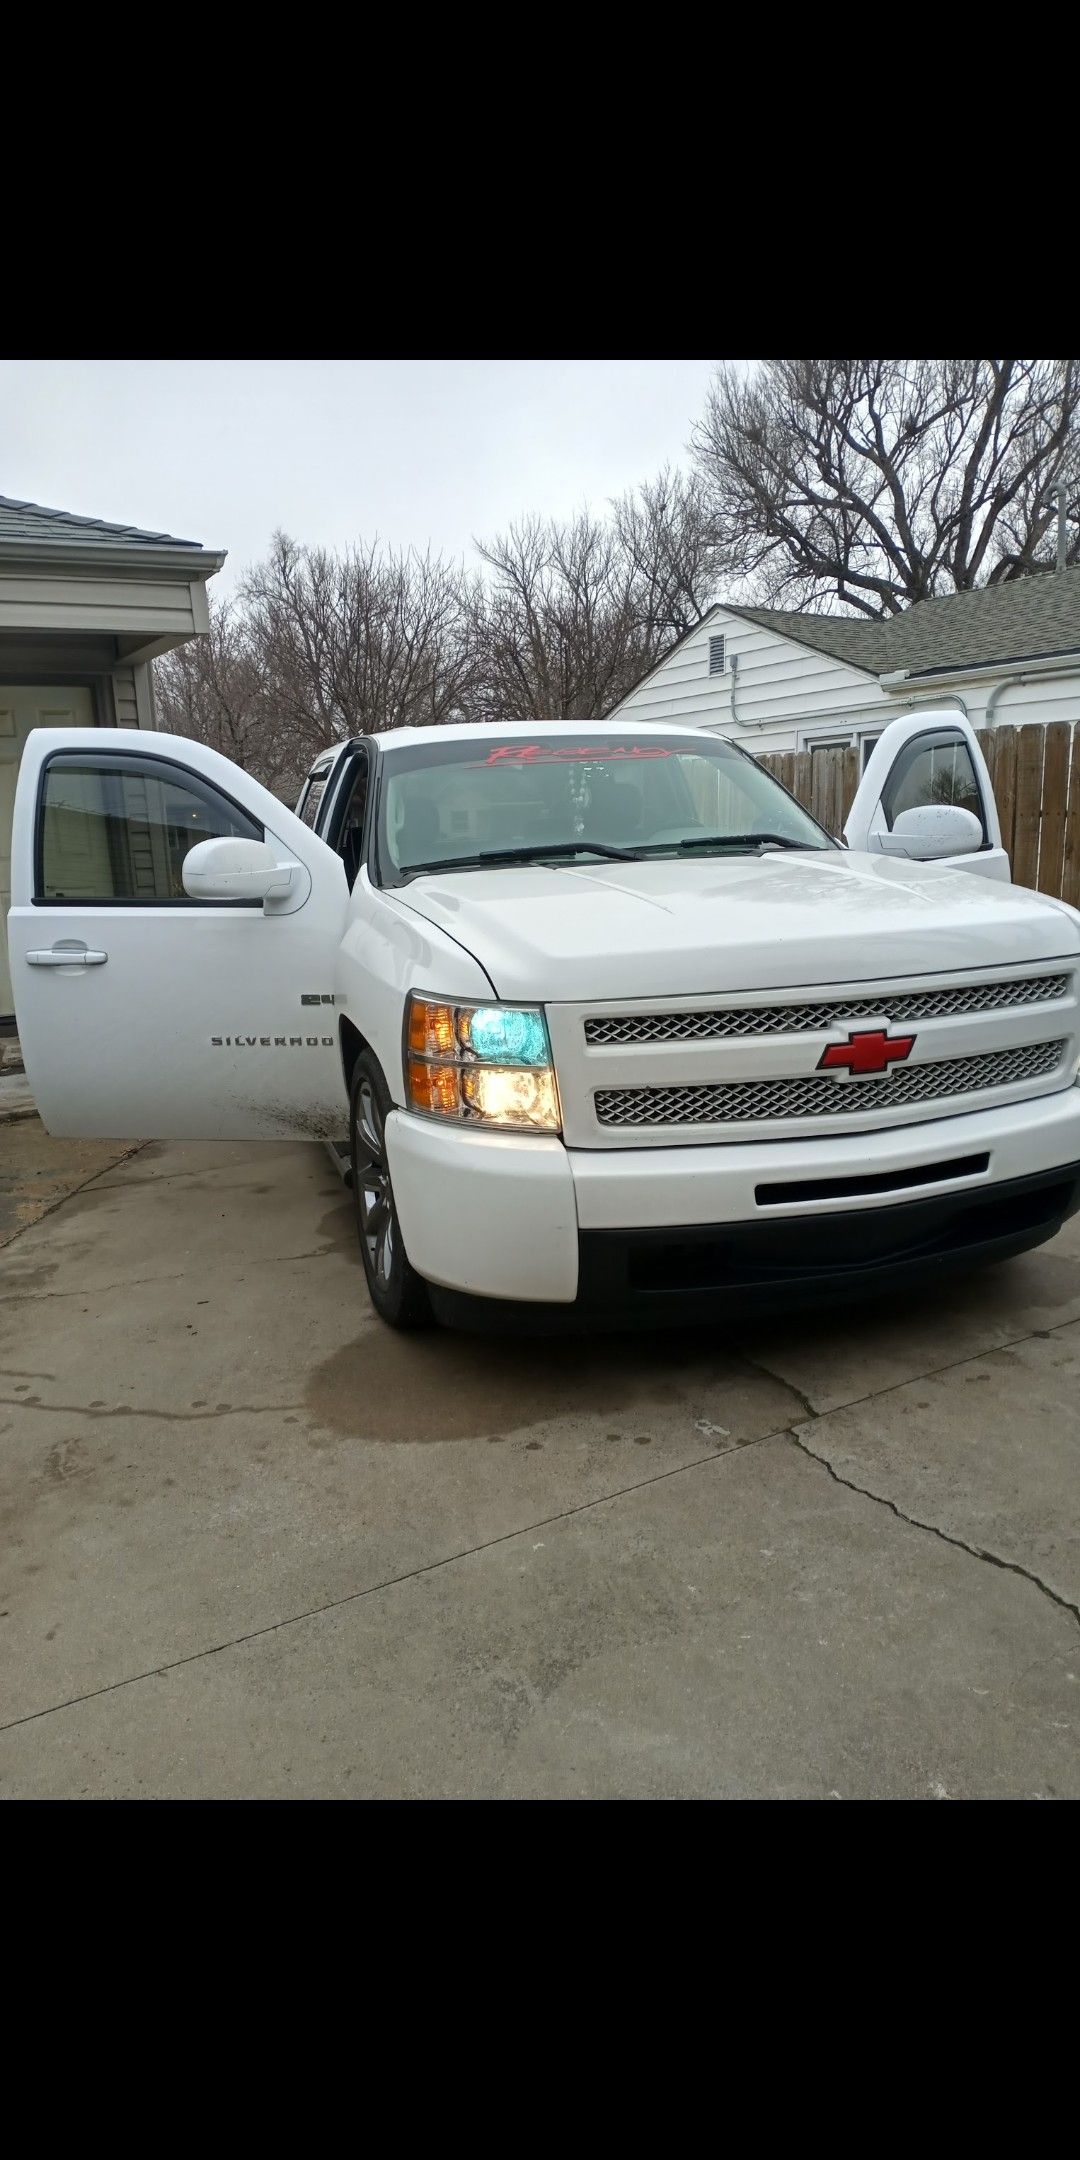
<point x="476" y="730"/>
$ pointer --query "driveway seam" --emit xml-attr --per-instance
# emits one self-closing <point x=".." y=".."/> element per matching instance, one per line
<point x="933" y="1372"/>
<point x="51" y="1206"/>
<point x="391" y="1582"/>
<point x="135" y="1282"/>
<point x="117" y="1183"/>
<point x="947" y="1537"/>
<point x="145" y="1410"/>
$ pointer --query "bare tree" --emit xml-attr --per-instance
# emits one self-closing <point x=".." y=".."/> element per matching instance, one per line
<point x="216" y="690"/>
<point x="318" y="646"/>
<point x="668" y="535"/>
<point x="875" y="483"/>
<point x="575" y="614"/>
<point x="363" y="641"/>
<point x="557" y="621"/>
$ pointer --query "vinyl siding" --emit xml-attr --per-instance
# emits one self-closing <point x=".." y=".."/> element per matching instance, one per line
<point x="125" y="698"/>
<point x="787" y="693"/>
<point x="779" y="687"/>
<point x="117" y="606"/>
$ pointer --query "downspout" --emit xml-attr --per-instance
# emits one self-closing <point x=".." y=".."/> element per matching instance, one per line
<point x="1004" y="684"/>
<point x="1030" y="675"/>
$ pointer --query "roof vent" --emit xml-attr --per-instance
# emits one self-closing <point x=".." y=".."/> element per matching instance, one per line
<point x="717" y="662"/>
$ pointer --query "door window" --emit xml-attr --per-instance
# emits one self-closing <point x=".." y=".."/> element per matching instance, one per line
<point x="932" y="769"/>
<point x="350" y="843"/>
<point x="308" y="806"/>
<point x="115" y="829"/>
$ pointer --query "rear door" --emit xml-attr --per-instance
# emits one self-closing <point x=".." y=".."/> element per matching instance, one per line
<point x="143" y="1013"/>
<point x="923" y="760"/>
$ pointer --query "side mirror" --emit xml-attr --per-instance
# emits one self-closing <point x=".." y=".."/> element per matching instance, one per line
<point x="931" y="831"/>
<point x="236" y="870"/>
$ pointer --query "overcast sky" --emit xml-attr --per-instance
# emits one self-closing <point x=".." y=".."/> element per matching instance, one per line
<point x="222" y="451"/>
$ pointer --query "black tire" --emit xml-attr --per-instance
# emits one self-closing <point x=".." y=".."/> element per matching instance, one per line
<point x="398" y="1293"/>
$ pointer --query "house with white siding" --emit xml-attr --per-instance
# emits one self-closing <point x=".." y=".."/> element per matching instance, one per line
<point x="775" y="679"/>
<point x="85" y="608"/>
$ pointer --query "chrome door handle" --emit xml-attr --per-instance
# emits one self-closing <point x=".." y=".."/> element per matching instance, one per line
<point x="66" y="956"/>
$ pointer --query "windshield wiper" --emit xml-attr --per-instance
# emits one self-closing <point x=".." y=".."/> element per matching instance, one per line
<point x="538" y="852"/>
<point x="755" y="840"/>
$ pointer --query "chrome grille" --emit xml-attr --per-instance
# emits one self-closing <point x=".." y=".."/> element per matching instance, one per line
<point x="811" y="1018"/>
<point x="746" y="1101"/>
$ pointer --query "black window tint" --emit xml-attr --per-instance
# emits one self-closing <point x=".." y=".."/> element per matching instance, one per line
<point x="118" y="828"/>
<point x="350" y="841"/>
<point x="309" y="808"/>
<point x="932" y="769"/>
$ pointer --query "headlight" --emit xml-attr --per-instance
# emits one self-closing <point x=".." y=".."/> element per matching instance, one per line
<point x="483" y="1064"/>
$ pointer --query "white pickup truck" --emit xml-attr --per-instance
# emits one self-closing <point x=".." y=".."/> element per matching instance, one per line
<point x="612" y="1023"/>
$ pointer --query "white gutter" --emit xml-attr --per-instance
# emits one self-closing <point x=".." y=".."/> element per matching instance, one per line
<point x="25" y="556"/>
<point x="1067" y="663"/>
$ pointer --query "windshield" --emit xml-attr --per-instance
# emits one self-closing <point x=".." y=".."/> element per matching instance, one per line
<point x="469" y="803"/>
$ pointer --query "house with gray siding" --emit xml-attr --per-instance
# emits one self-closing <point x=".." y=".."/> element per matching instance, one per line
<point x="85" y="608"/>
<point x="776" y="679"/>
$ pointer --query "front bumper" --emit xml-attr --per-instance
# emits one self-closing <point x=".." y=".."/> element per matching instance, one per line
<point x="678" y="1233"/>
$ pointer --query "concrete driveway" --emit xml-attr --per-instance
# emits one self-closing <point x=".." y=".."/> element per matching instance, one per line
<point x="253" y="1543"/>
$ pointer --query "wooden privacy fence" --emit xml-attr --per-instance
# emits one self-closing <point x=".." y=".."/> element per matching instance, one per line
<point x="1035" y="773"/>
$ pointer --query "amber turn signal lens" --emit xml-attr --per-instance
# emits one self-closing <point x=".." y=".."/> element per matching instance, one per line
<point x="431" y="1029"/>
<point x="434" y="1088"/>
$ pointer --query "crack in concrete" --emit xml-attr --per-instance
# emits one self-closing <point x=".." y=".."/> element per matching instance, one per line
<point x="933" y="1372"/>
<point x="133" y="1282"/>
<point x="137" y="1282"/>
<point x="49" y="1207"/>
<point x="392" y="1582"/>
<point x="765" y="1372"/>
<point x="447" y="1560"/>
<point x="565" y="1514"/>
<point x="947" y="1537"/>
<point x="113" y="1183"/>
<point x="164" y="1417"/>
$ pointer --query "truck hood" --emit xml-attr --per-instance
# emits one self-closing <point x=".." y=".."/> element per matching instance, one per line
<point x="676" y="928"/>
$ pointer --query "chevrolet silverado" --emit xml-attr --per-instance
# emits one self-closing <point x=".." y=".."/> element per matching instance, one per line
<point x="612" y="1024"/>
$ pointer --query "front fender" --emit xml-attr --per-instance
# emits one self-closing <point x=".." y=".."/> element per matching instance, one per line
<point x="386" y="951"/>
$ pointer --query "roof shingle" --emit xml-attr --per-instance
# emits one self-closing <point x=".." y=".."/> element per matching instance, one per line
<point x="31" y="522"/>
<point x="1027" y="618"/>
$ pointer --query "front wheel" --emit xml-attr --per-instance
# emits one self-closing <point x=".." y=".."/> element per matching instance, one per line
<point x="397" y="1292"/>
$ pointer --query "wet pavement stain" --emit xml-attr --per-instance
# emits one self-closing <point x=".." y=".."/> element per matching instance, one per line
<point x="21" y="1281"/>
<point x="338" y="1227"/>
<point x="66" y="1460"/>
<point x="442" y="1386"/>
<point x="290" y="1121"/>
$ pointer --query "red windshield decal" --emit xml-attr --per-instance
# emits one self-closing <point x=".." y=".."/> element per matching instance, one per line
<point x="571" y="753"/>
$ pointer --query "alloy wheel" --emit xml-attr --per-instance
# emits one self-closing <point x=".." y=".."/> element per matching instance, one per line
<point x="374" y="1194"/>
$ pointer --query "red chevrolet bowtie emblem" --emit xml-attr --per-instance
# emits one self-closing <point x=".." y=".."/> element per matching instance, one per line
<point x="872" y="1051"/>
